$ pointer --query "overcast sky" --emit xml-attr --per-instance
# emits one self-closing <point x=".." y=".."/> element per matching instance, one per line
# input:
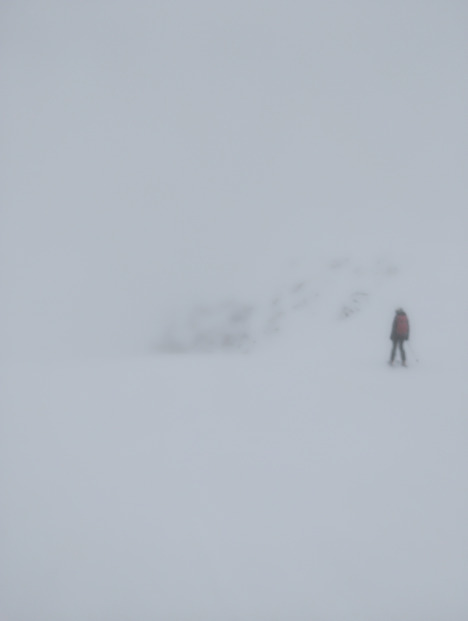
<point x="160" y="154"/>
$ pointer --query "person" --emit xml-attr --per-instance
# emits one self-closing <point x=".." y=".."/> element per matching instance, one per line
<point x="400" y="334"/>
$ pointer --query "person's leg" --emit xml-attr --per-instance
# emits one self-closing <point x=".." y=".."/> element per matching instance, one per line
<point x="392" y="356"/>
<point x="402" y="351"/>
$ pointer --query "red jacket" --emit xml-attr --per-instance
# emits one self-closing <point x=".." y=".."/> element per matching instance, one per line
<point x="400" y="327"/>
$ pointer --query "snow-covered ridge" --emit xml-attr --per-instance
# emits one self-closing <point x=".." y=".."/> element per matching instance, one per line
<point x="339" y="289"/>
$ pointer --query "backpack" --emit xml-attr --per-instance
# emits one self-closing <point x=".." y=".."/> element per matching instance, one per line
<point x="402" y="326"/>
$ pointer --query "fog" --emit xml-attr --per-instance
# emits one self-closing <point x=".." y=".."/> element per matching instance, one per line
<point x="265" y="179"/>
<point x="164" y="154"/>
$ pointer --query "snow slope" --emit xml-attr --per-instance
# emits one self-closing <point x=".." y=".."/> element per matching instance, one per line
<point x="304" y="480"/>
<point x="210" y="212"/>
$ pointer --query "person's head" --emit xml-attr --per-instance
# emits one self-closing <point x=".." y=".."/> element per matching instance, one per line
<point x="400" y="311"/>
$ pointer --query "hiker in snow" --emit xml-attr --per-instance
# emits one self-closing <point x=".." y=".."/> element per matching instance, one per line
<point x="400" y="334"/>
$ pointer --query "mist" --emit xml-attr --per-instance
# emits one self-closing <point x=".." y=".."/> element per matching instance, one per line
<point x="264" y="179"/>
<point x="162" y="155"/>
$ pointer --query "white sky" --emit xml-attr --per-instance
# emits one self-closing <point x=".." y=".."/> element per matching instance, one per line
<point x="158" y="154"/>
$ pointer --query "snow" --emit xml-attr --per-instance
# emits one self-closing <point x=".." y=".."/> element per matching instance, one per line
<point x="210" y="212"/>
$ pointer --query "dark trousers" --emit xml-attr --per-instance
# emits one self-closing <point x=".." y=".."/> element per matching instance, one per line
<point x="396" y="343"/>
